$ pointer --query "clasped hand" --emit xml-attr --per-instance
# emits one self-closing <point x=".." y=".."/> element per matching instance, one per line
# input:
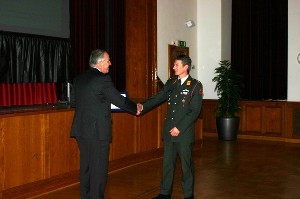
<point x="174" y="131"/>
<point x="139" y="108"/>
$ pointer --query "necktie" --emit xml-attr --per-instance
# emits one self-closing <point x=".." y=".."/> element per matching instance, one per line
<point x="179" y="82"/>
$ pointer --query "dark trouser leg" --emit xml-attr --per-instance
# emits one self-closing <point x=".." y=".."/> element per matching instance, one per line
<point x="185" y="153"/>
<point x="99" y="170"/>
<point x="169" y="163"/>
<point x="84" y="168"/>
<point x="94" y="157"/>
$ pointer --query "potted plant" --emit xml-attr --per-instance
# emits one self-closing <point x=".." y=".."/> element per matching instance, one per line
<point x="228" y="82"/>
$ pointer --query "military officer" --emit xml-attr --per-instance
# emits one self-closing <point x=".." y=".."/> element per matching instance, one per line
<point x="184" y="97"/>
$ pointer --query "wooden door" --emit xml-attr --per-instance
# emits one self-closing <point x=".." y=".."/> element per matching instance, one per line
<point x="173" y="51"/>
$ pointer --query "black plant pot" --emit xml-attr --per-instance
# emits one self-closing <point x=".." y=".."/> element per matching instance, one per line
<point x="227" y="127"/>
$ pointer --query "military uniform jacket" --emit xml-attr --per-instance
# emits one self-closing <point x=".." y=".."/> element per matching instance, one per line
<point x="184" y="106"/>
<point x="92" y="95"/>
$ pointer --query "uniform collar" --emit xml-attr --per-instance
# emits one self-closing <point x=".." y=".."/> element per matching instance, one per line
<point x="183" y="79"/>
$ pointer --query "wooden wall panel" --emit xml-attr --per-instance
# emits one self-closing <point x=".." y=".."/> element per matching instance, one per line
<point x="136" y="48"/>
<point x="150" y="128"/>
<point x="199" y="130"/>
<point x="2" y="174"/>
<point x="290" y="122"/>
<point x="124" y="135"/>
<point x="36" y="147"/>
<point x="24" y="149"/>
<point x="141" y="57"/>
<point x="274" y="120"/>
<point x="61" y="148"/>
<point x="150" y="132"/>
<point x="208" y="115"/>
<point x="253" y="119"/>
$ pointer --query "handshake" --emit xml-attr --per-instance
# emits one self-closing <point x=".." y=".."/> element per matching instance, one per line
<point x="139" y="108"/>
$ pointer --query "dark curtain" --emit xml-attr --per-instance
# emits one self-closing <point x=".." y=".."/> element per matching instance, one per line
<point x="99" y="24"/>
<point x="259" y="47"/>
<point x="30" y="58"/>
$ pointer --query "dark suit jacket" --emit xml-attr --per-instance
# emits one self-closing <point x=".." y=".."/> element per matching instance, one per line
<point x="184" y="106"/>
<point x="92" y="94"/>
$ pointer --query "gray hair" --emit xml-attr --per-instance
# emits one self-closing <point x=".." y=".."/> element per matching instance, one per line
<point x="96" y="56"/>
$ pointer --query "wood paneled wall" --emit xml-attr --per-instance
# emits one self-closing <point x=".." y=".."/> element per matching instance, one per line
<point x="37" y="153"/>
<point x="35" y="147"/>
<point x="141" y="58"/>
<point x="268" y="119"/>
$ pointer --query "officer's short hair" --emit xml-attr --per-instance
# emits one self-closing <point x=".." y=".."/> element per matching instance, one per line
<point x="96" y="56"/>
<point x="186" y="60"/>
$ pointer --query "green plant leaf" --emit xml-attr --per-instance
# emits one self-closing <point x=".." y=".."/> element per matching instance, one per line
<point x="228" y="83"/>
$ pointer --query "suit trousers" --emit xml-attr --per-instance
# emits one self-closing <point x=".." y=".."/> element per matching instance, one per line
<point x="184" y="151"/>
<point x="94" y="158"/>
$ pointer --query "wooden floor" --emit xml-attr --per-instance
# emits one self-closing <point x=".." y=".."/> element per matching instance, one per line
<point x="243" y="169"/>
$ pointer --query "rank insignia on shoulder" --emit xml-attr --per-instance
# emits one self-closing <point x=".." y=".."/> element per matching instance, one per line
<point x="188" y="83"/>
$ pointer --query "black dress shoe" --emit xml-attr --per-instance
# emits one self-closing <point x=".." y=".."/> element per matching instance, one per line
<point x="161" y="196"/>
<point x="191" y="197"/>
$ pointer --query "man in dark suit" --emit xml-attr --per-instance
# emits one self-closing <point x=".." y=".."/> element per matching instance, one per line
<point x="184" y="97"/>
<point x="92" y="94"/>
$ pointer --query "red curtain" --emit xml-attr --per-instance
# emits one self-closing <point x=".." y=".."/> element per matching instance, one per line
<point x="27" y="94"/>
